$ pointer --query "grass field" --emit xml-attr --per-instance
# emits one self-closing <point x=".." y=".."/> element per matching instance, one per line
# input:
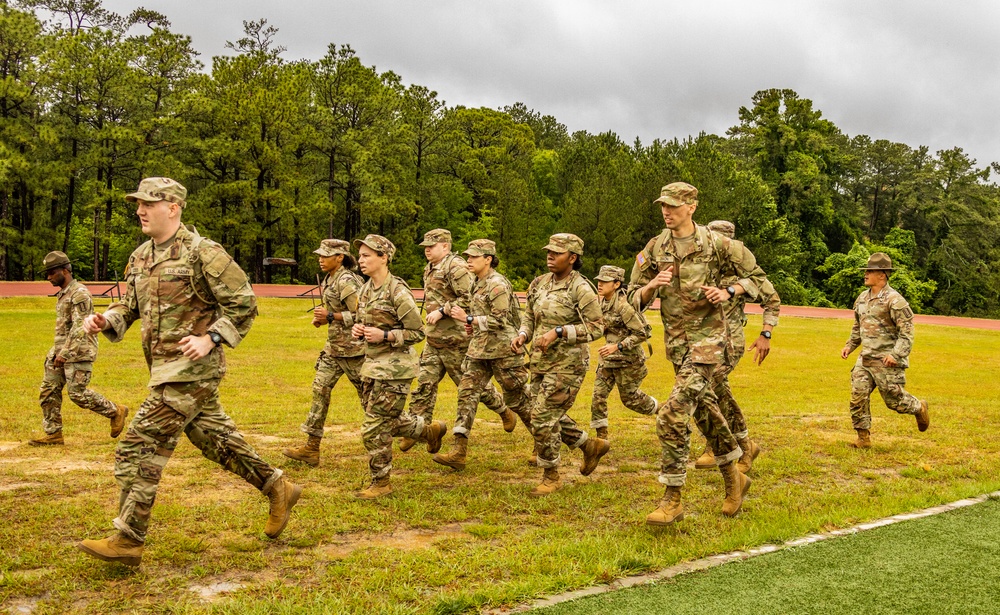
<point x="447" y="542"/>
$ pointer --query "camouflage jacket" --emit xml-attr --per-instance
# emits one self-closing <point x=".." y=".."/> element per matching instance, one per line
<point x="883" y="325"/>
<point x="192" y="288"/>
<point x="494" y="312"/>
<point x="446" y="284"/>
<point x="392" y="309"/>
<point x="736" y="318"/>
<point x="572" y="304"/>
<point x="691" y="322"/>
<point x="625" y="326"/>
<point x="340" y="294"/>
<point x="73" y="304"/>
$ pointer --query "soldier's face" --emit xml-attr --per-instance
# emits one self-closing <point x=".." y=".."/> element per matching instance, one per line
<point x="369" y="261"/>
<point x="436" y="252"/>
<point x="607" y="289"/>
<point x="558" y="262"/>
<point x="156" y="218"/>
<point x="56" y="277"/>
<point x="330" y="263"/>
<point x="677" y="217"/>
<point x="479" y="264"/>
<point x="874" y="277"/>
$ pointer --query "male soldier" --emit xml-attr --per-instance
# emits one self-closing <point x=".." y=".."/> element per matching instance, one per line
<point x="683" y="266"/>
<point x="736" y="319"/>
<point x="883" y="327"/>
<point x="621" y="360"/>
<point x="71" y="359"/>
<point x="191" y="297"/>
<point x="343" y="354"/>
<point x="447" y="283"/>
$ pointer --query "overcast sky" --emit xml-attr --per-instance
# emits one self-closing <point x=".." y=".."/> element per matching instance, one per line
<point x="917" y="72"/>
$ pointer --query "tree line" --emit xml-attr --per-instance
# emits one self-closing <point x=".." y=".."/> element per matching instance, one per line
<point x="280" y="153"/>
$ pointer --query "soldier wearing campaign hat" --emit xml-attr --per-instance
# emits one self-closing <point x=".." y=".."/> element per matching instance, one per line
<point x="621" y="361"/>
<point x="69" y="363"/>
<point x="343" y="354"/>
<point x="883" y="329"/>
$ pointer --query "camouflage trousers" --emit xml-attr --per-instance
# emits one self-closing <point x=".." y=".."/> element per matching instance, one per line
<point x="692" y="395"/>
<point x="552" y="397"/>
<point x="730" y="408"/>
<point x="75" y="377"/>
<point x="434" y="364"/>
<point x="628" y="378"/>
<point x="512" y="376"/>
<point x="385" y="420"/>
<point x="328" y="372"/>
<point x="191" y="408"/>
<point x="868" y="375"/>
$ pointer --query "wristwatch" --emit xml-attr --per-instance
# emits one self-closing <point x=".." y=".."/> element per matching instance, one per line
<point x="559" y="331"/>
<point x="468" y="320"/>
<point x="619" y="345"/>
<point x="329" y="318"/>
<point x="766" y="334"/>
<point x="216" y="338"/>
<point x="731" y="290"/>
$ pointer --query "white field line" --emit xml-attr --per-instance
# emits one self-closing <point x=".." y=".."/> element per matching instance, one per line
<point x="717" y="560"/>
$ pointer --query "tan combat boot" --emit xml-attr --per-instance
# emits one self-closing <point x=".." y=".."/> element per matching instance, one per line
<point x="406" y="444"/>
<point x="750" y="452"/>
<point x="593" y="450"/>
<point x="48" y="439"/>
<point x="455" y="458"/>
<point x="602" y="433"/>
<point x="707" y="459"/>
<point x="118" y="421"/>
<point x="737" y="485"/>
<point x="670" y="509"/>
<point x="550" y="483"/>
<point x="283" y="495"/>
<point x="923" y="417"/>
<point x="118" y="548"/>
<point x="509" y="420"/>
<point x="864" y="439"/>
<point x="377" y="489"/>
<point x="307" y="453"/>
<point x="433" y="435"/>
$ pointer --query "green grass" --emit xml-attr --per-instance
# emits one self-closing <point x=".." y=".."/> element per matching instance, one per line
<point x="449" y="542"/>
<point x="941" y="564"/>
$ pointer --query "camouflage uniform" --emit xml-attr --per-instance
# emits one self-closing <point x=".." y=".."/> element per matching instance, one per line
<point x="342" y="355"/>
<point x="494" y="321"/>
<point x="390" y="365"/>
<point x="188" y="286"/>
<point x="696" y="339"/>
<point x="558" y="373"/>
<point x="79" y="350"/>
<point x="446" y="283"/>
<point x="626" y="327"/>
<point x="883" y="325"/>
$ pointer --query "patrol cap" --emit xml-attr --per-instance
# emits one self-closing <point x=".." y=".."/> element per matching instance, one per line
<point x="677" y="194"/>
<point x="438" y="235"/>
<point x="723" y="227"/>
<point x="153" y="189"/>
<point x="565" y="242"/>
<point x="54" y="260"/>
<point x="332" y="247"/>
<point x="481" y="247"/>
<point x="610" y="273"/>
<point x="879" y="261"/>
<point x="377" y="243"/>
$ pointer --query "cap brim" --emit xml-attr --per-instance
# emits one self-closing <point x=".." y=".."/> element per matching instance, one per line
<point x="142" y="196"/>
<point x="428" y="243"/>
<point x="875" y="269"/>
<point x="473" y="253"/>
<point x="552" y="248"/>
<point x="56" y="266"/>
<point x="600" y="279"/>
<point x="664" y="200"/>
<point x="323" y="253"/>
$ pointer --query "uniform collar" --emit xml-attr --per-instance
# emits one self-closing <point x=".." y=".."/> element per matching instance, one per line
<point x="700" y="235"/>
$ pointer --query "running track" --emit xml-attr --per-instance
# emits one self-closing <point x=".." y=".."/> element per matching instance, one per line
<point x="41" y="289"/>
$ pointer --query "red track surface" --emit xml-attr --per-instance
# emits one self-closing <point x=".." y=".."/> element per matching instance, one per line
<point x="41" y="289"/>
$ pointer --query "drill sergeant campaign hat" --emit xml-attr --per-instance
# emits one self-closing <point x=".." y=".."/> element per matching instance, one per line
<point x="723" y="227"/>
<point x="565" y="242"/>
<point x="54" y="260"/>
<point x="610" y="273"/>
<point x="438" y="235"/>
<point x="377" y="243"/>
<point x="332" y="247"/>
<point x="879" y="261"/>
<point x="481" y="247"/>
<point x="677" y="194"/>
<point x="154" y="189"/>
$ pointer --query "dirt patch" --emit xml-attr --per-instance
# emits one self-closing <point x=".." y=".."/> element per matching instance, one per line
<point x="211" y="591"/>
<point x="403" y="539"/>
<point x="66" y="465"/>
<point x="7" y="446"/>
<point x="25" y="605"/>
<point x="271" y="439"/>
<point x="16" y="486"/>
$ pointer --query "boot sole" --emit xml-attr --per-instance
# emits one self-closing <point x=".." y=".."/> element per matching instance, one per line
<point x="451" y="464"/>
<point x="405" y="447"/>
<point x="679" y="517"/>
<point x="705" y="466"/>
<point x="46" y="443"/>
<point x="292" y="499"/>
<point x="358" y="496"/>
<point x="128" y="560"/>
<point x="308" y="462"/>
<point x="542" y="495"/>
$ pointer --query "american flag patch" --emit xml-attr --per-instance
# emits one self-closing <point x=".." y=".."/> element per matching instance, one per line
<point x="641" y="259"/>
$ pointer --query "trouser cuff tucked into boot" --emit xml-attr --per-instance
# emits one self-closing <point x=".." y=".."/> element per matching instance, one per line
<point x="269" y="483"/>
<point x="124" y="528"/>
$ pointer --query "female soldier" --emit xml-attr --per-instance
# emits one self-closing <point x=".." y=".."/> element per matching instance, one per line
<point x="343" y="354"/>
<point x="390" y="324"/>
<point x="493" y="320"/>
<point x="561" y="318"/>
<point x="621" y="360"/>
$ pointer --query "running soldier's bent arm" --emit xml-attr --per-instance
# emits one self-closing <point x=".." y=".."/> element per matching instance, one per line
<point x="528" y="317"/>
<point x="636" y="327"/>
<point x="771" y="302"/>
<point x="121" y="314"/>
<point x="902" y="316"/>
<point x="589" y="307"/>
<point x="232" y="291"/>
<point x="409" y="316"/>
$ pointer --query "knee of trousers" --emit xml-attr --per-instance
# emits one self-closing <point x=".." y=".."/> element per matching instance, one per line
<point x="78" y="395"/>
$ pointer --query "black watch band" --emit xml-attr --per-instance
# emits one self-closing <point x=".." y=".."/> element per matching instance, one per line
<point x="468" y="320"/>
<point x="731" y="290"/>
<point x="766" y="334"/>
<point x="619" y="345"/>
<point x="329" y="318"/>
<point x="216" y="338"/>
<point x="559" y="332"/>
